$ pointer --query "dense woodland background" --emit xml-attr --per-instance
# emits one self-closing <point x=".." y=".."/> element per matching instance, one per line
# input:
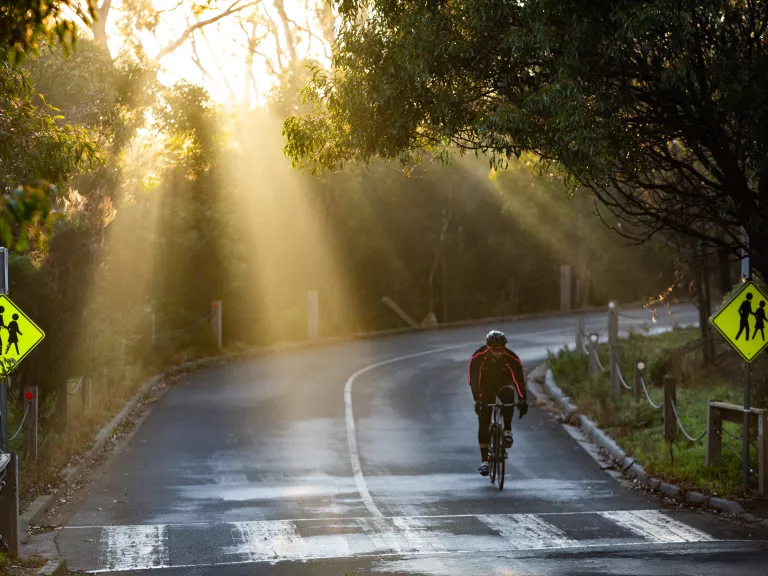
<point x="145" y="201"/>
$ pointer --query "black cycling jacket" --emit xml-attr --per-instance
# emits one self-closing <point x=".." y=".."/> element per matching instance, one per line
<point x="486" y="373"/>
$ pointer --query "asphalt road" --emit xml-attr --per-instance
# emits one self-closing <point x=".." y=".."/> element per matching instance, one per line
<point x="361" y="458"/>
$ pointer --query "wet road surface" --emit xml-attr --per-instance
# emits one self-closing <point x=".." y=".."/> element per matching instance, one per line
<point x="361" y="459"/>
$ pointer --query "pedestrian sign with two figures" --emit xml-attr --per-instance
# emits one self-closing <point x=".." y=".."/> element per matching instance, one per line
<point x="742" y="321"/>
<point x="18" y="335"/>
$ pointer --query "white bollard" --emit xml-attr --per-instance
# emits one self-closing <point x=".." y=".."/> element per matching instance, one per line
<point x="313" y="314"/>
<point x="216" y="312"/>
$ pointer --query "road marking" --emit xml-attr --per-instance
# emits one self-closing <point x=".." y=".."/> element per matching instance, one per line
<point x="134" y="547"/>
<point x="528" y="532"/>
<point x="417" y="534"/>
<point x="354" y="458"/>
<point x="655" y="526"/>
<point x="127" y="548"/>
<point x="264" y="540"/>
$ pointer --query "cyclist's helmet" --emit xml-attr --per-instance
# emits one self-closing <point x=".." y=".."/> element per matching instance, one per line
<point x="496" y="338"/>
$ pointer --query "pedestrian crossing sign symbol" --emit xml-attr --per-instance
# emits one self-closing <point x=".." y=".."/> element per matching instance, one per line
<point x="742" y="321"/>
<point x="18" y="335"/>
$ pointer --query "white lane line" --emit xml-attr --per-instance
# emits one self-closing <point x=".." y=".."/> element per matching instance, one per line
<point x="528" y="532"/>
<point x="134" y="547"/>
<point x="656" y="527"/>
<point x="362" y="487"/>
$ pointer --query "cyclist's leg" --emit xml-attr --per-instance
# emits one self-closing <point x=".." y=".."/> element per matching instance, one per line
<point x="507" y="395"/>
<point x="483" y="425"/>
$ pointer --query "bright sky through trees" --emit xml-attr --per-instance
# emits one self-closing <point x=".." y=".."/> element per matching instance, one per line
<point x="221" y="48"/>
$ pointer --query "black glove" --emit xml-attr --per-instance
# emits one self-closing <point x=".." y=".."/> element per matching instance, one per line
<point x="523" y="407"/>
<point x="478" y="407"/>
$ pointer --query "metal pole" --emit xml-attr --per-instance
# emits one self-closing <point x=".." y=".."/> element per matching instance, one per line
<point x="746" y="268"/>
<point x="4" y="404"/>
<point x="745" y="449"/>
<point x="30" y="425"/>
<point x="6" y="382"/>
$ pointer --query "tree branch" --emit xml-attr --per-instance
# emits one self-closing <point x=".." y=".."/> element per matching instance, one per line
<point x="233" y="9"/>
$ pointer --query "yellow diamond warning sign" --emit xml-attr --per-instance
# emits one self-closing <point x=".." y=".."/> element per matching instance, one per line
<point x="18" y="335"/>
<point x="742" y="321"/>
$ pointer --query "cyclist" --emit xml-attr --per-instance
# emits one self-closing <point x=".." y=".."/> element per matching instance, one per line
<point x="494" y="370"/>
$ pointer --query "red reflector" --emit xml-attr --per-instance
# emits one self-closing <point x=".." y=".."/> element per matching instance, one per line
<point x="29" y="395"/>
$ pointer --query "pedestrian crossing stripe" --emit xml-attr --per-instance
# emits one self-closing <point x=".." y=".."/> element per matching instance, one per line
<point x="140" y="547"/>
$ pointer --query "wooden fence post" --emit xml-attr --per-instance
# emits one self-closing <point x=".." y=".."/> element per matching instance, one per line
<point x="670" y="396"/>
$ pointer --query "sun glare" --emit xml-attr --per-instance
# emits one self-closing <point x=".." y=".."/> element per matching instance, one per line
<point x="216" y="56"/>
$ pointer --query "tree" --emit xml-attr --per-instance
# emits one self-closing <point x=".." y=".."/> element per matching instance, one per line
<point x="38" y="153"/>
<point x="655" y="107"/>
<point x="24" y="22"/>
<point x="38" y="156"/>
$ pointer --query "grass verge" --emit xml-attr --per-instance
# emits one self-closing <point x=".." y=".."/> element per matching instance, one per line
<point x="638" y="427"/>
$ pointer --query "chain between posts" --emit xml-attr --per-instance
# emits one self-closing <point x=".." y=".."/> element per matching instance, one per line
<point x="597" y="359"/>
<point x="21" y="425"/>
<point x="648" y="396"/>
<point x="79" y="384"/>
<point x="193" y="326"/>
<point x="680" y="424"/>
<point x="53" y="407"/>
<point x="621" y="377"/>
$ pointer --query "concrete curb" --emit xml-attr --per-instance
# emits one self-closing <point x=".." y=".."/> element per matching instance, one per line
<point x="54" y="568"/>
<point x="634" y="469"/>
<point x="37" y="509"/>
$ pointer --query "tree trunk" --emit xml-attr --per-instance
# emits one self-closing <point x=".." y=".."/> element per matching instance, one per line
<point x="724" y="278"/>
<point x="100" y="25"/>
<point x="447" y="214"/>
<point x="702" y="271"/>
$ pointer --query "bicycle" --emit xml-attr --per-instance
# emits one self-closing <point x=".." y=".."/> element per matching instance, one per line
<point x="497" y="449"/>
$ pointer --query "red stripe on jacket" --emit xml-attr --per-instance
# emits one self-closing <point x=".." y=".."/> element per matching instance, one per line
<point x="469" y="368"/>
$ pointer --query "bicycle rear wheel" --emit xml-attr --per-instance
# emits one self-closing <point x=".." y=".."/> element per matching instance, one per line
<point x="501" y="463"/>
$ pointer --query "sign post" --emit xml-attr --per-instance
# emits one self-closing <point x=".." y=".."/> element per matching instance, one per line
<point x="746" y="269"/>
<point x="742" y="322"/>
<point x="4" y="382"/>
<point x="19" y="338"/>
